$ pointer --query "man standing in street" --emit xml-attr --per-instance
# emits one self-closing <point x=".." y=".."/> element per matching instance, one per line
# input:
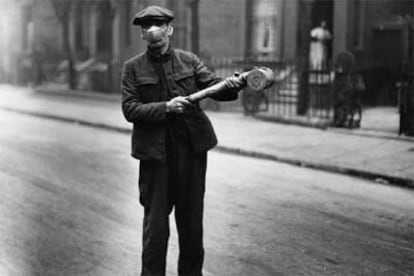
<point x="171" y="137"/>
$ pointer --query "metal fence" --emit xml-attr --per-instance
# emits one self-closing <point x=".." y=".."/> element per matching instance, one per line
<point x="282" y="100"/>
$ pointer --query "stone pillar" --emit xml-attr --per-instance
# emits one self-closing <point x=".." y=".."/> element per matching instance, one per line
<point x="118" y="39"/>
<point x="340" y="26"/>
<point x="118" y="33"/>
<point x="248" y="46"/>
<point x="93" y="29"/>
<point x="72" y="30"/>
<point x="14" y="40"/>
<point x="304" y="27"/>
<point x="290" y="29"/>
<point x="195" y="26"/>
<point x="408" y="127"/>
<point x="181" y="34"/>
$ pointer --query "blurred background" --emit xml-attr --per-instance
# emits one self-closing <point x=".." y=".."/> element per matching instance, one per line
<point x="82" y="44"/>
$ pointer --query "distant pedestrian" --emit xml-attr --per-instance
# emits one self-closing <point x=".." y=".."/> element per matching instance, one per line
<point x="318" y="47"/>
<point x="171" y="137"/>
<point x="348" y="85"/>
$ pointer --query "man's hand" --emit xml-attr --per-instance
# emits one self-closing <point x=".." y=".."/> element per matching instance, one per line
<point x="237" y="81"/>
<point x="177" y="104"/>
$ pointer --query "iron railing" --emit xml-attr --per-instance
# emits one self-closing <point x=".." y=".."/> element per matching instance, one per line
<point x="280" y="102"/>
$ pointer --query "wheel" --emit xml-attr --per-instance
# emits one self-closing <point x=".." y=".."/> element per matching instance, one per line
<point x="356" y="116"/>
<point x="340" y="115"/>
<point x="250" y="104"/>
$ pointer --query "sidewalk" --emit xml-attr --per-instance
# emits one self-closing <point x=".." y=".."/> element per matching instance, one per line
<point x="377" y="157"/>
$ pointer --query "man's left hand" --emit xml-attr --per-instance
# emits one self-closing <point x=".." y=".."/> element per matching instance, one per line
<point x="237" y="81"/>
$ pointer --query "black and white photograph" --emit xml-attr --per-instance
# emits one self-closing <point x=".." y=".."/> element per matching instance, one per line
<point x="206" y="137"/>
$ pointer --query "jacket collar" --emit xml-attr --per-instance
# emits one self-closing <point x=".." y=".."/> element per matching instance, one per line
<point x="160" y="58"/>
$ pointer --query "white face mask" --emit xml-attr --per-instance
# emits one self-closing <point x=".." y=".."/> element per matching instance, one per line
<point x="157" y="35"/>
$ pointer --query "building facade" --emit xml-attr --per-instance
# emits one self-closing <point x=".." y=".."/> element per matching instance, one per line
<point x="102" y="38"/>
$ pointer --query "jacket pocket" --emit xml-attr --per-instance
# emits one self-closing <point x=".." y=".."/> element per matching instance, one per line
<point x="147" y="88"/>
<point x="201" y="131"/>
<point x="186" y="82"/>
<point x="148" y="141"/>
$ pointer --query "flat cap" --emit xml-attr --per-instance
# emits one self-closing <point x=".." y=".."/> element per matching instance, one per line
<point x="153" y="12"/>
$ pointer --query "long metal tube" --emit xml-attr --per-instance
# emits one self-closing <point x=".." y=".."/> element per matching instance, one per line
<point x="256" y="79"/>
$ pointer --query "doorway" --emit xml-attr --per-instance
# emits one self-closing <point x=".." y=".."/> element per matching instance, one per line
<point x="322" y="10"/>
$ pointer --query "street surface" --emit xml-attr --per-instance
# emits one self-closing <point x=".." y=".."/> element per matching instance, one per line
<point x="69" y="206"/>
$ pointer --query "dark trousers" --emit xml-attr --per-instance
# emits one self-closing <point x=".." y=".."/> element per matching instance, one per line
<point x="180" y="183"/>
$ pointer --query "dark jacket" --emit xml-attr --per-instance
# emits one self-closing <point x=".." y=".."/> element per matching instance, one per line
<point x="144" y="102"/>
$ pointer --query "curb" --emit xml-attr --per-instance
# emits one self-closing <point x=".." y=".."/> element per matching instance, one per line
<point x="67" y="120"/>
<point x="367" y="133"/>
<point x="376" y="177"/>
<point x="108" y="97"/>
<point x="317" y="125"/>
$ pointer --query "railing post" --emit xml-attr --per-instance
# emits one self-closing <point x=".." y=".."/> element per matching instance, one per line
<point x="305" y="24"/>
<point x="406" y="92"/>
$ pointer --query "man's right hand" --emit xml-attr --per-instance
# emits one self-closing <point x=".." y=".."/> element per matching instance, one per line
<point x="177" y="104"/>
